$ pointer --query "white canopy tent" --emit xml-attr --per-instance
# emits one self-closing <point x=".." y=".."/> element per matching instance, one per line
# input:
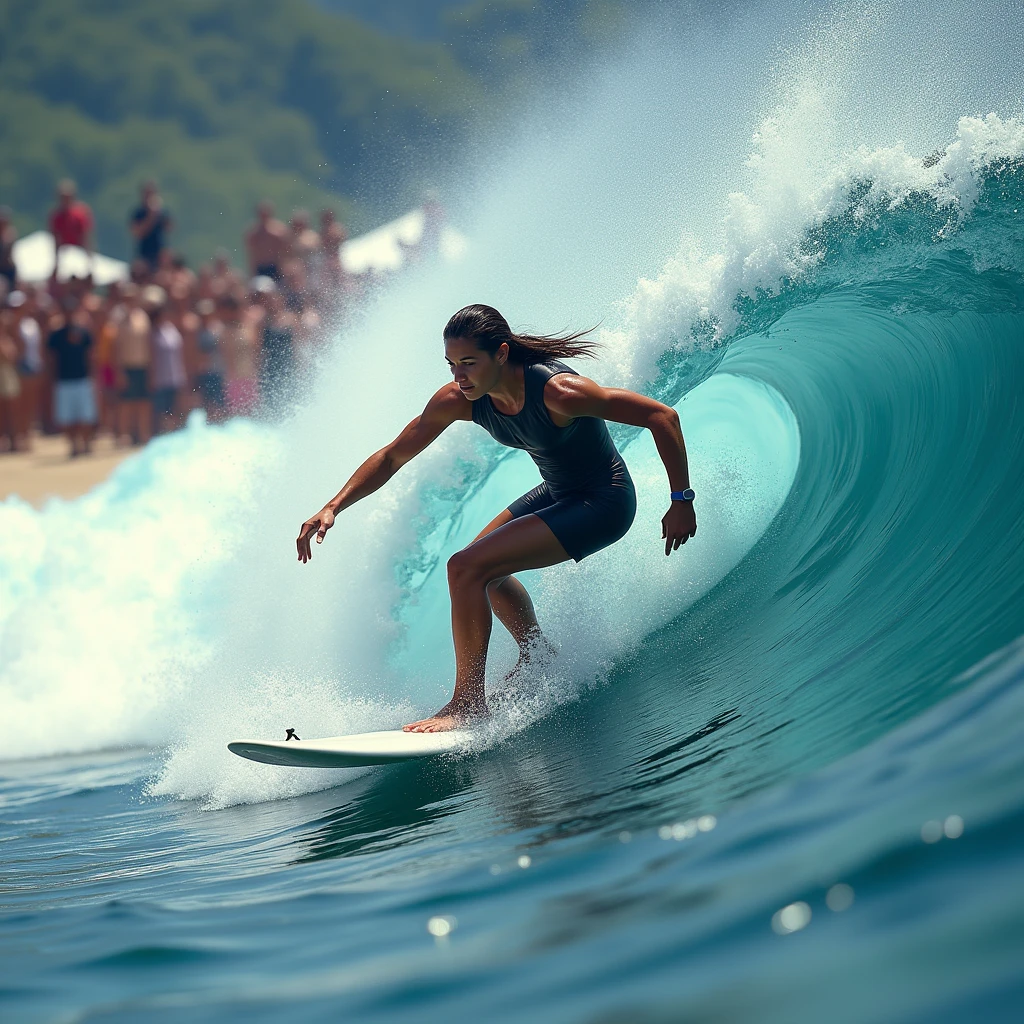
<point x="383" y="248"/>
<point x="33" y="257"/>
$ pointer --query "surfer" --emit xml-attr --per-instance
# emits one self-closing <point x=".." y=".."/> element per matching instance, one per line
<point x="516" y="388"/>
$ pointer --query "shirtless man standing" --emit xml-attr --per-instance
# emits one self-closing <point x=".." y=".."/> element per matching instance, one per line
<point x="133" y="355"/>
<point x="268" y="243"/>
<point x="305" y="241"/>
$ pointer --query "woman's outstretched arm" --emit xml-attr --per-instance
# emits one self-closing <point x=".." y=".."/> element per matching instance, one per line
<point x="569" y="396"/>
<point x="443" y="409"/>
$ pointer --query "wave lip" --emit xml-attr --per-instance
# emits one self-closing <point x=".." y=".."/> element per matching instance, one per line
<point x="695" y="300"/>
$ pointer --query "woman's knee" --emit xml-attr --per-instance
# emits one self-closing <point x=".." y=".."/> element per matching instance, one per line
<point x="465" y="568"/>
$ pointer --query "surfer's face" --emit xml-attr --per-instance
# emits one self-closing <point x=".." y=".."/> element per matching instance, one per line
<point x="475" y="371"/>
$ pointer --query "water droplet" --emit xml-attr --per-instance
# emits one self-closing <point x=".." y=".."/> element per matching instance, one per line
<point x="524" y="861"/>
<point x="792" y="918"/>
<point x="953" y="826"/>
<point x="931" y="831"/>
<point x="684" y="830"/>
<point x="625" y="837"/>
<point x="441" y="927"/>
<point x="839" y="897"/>
<point x="706" y="822"/>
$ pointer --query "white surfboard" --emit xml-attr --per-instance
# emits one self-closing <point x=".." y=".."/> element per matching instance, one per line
<point x="355" y="751"/>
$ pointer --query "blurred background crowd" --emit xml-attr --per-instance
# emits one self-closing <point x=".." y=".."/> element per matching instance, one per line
<point x="135" y="357"/>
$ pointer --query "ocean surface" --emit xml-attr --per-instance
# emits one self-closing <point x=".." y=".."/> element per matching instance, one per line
<point x="776" y="777"/>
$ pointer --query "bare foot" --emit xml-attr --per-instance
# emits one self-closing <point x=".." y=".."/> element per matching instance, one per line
<point x="451" y="716"/>
<point x="438" y="723"/>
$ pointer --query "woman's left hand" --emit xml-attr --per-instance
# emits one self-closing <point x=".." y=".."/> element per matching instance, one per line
<point x="678" y="525"/>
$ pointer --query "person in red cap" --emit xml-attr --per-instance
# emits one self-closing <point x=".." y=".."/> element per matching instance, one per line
<point x="71" y="222"/>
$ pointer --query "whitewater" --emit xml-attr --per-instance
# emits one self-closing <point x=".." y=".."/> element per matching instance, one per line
<point x="757" y="774"/>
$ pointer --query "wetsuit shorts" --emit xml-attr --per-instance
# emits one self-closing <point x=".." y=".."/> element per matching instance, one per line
<point x="583" y="521"/>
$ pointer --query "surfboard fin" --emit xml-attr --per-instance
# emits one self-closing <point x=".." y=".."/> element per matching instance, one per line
<point x="291" y="734"/>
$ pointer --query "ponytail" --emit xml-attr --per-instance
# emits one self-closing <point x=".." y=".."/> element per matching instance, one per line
<point x="488" y="329"/>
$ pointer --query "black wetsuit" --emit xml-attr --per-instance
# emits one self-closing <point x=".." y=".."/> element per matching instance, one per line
<point x="587" y="497"/>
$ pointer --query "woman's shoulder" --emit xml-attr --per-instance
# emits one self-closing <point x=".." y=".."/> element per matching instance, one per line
<point x="449" y="403"/>
<point x="544" y="369"/>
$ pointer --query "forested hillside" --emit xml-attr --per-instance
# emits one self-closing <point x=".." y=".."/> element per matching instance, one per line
<point x="223" y="101"/>
<point x="505" y="42"/>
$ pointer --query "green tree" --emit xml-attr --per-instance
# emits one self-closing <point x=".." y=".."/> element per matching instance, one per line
<point x="224" y="102"/>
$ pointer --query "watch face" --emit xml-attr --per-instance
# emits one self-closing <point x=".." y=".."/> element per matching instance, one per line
<point x="688" y="494"/>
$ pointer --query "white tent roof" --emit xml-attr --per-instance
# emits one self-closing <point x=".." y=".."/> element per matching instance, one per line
<point x="33" y="256"/>
<point x="381" y="248"/>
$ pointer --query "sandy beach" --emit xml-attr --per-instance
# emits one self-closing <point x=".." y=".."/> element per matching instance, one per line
<point x="47" y="472"/>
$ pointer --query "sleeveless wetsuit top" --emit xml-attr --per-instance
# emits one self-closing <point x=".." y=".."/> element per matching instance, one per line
<point x="572" y="459"/>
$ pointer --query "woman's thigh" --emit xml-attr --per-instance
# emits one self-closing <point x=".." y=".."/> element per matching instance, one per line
<point x="499" y="520"/>
<point x="510" y="545"/>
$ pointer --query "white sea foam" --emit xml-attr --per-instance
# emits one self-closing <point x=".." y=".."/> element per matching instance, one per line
<point x="102" y="623"/>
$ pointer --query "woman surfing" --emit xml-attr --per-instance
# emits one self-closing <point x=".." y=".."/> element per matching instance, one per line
<point x="516" y="388"/>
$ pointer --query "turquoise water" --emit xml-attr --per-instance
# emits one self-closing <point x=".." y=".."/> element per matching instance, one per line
<point x="778" y="779"/>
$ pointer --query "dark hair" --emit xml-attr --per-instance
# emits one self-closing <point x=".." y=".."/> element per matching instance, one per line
<point x="488" y="329"/>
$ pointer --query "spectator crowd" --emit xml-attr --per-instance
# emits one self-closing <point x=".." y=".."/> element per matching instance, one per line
<point x="136" y="357"/>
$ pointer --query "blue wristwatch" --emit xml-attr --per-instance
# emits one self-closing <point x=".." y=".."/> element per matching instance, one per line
<point x="686" y="495"/>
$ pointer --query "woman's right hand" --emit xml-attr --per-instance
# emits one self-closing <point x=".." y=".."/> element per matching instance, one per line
<point x="318" y="524"/>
